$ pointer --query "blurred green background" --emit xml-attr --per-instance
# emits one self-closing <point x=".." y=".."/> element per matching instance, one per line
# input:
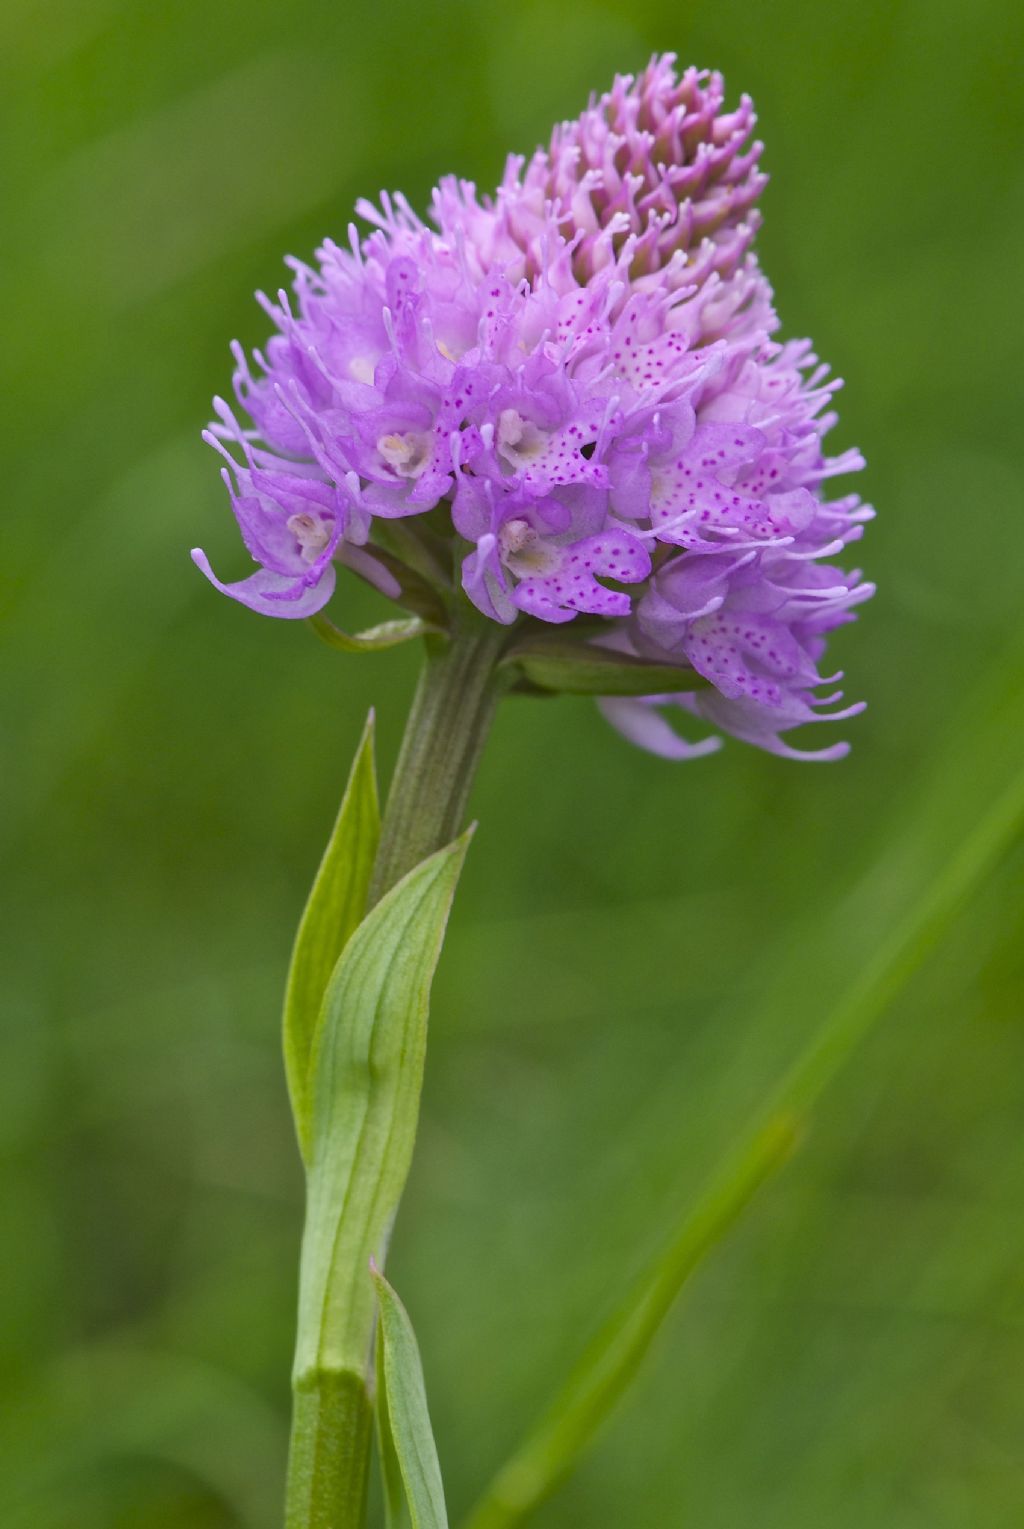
<point x="604" y="1019"/>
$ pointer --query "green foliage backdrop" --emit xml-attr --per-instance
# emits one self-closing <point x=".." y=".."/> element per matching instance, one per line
<point x="601" y="1027"/>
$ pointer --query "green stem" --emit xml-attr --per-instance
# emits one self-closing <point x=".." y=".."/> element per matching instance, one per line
<point x="329" y="1456"/>
<point x="451" y="714"/>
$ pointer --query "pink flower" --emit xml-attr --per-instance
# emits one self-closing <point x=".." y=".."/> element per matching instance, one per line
<point x="576" y="380"/>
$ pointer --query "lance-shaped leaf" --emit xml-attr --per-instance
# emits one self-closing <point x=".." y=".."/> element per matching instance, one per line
<point x="389" y="634"/>
<point x="336" y="904"/>
<point x="366" y="1074"/>
<point x="396" y="1511"/>
<point x="574" y="668"/>
<point x="404" y="1418"/>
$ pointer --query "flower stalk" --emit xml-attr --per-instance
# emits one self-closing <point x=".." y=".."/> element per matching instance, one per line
<point x="449" y="721"/>
<point x="366" y="1070"/>
<point x="329" y="1453"/>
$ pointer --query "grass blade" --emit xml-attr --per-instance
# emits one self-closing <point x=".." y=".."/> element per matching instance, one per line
<point x="554" y="1446"/>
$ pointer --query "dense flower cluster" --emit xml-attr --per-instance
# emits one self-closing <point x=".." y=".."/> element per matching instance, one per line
<point x="578" y="374"/>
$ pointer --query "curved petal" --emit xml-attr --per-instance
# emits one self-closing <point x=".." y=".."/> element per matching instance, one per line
<point x="648" y="729"/>
<point x="273" y="594"/>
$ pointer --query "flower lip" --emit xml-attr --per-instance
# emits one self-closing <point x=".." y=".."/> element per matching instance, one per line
<point x="519" y="441"/>
<point x="312" y="532"/>
<point x="524" y="550"/>
<point x="408" y="455"/>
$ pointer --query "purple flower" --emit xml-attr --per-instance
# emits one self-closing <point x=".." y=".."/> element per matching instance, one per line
<point x="576" y="382"/>
<point x="655" y="162"/>
<point x="291" y="521"/>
